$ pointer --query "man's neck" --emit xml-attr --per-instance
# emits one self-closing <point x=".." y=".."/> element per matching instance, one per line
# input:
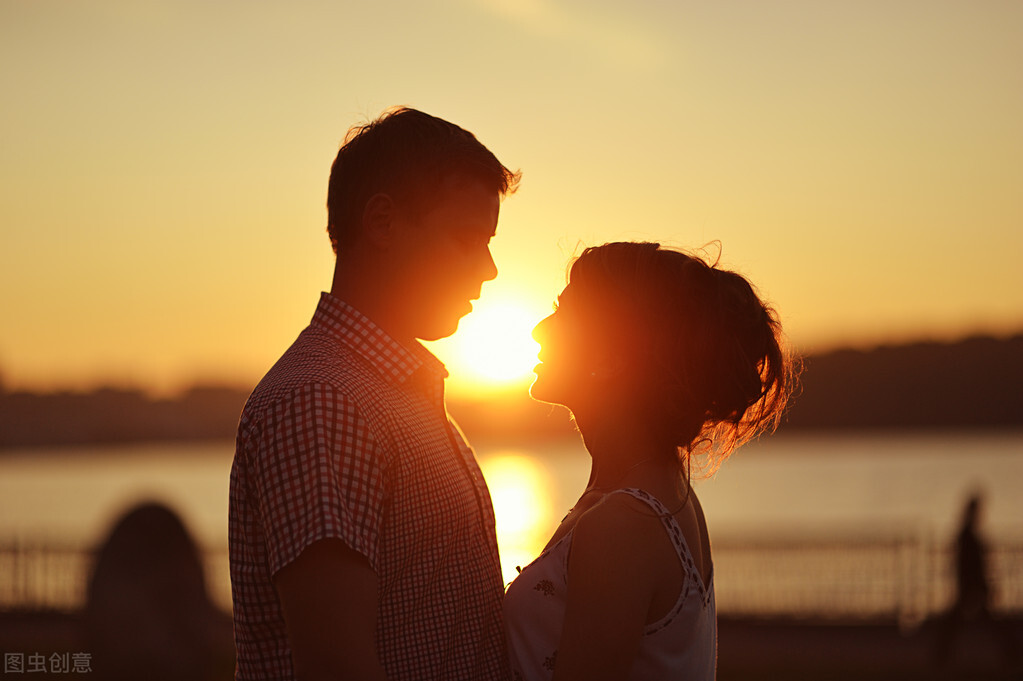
<point x="369" y="298"/>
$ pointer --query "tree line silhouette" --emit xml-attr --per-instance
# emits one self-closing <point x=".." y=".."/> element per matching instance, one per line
<point x="973" y="383"/>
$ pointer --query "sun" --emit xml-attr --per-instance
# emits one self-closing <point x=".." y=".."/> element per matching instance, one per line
<point x="493" y="346"/>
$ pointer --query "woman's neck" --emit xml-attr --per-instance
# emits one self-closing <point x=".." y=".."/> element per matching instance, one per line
<point x="623" y="453"/>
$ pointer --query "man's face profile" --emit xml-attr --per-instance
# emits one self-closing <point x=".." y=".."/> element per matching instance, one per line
<point x="443" y="257"/>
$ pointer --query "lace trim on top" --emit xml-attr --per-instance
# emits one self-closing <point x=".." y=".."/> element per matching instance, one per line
<point x="692" y="575"/>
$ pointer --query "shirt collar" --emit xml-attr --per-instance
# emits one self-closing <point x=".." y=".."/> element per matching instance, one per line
<point x="359" y="332"/>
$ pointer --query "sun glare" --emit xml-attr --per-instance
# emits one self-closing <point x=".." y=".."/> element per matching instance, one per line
<point x="493" y="345"/>
<point x="521" y="490"/>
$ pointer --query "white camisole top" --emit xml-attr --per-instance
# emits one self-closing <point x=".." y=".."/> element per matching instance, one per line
<point x="681" y="645"/>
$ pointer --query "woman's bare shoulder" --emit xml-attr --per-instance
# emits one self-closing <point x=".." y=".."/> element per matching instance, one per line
<point x="619" y="520"/>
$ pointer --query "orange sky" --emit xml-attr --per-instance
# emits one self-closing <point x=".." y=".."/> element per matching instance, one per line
<point x="164" y="163"/>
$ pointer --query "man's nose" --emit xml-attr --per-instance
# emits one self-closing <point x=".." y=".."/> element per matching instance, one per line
<point x="489" y="270"/>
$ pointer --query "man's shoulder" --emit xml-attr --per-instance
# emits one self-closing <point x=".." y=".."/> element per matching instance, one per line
<point x="315" y="361"/>
<point x="310" y="360"/>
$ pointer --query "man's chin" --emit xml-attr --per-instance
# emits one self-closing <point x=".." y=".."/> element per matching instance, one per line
<point x="437" y="330"/>
<point x="445" y="323"/>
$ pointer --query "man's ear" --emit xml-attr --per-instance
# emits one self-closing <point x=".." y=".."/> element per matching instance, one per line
<point x="378" y="221"/>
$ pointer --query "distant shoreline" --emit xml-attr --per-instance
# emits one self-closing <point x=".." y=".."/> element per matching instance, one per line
<point x="973" y="384"/>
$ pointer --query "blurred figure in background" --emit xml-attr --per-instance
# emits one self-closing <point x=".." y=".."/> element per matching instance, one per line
<point x="969" y="619"/>
<point x="973" y="591"/>
<point x="148" y="614"/>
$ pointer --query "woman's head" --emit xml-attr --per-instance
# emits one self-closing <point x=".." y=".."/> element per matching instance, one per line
<point x="671" y="340"/>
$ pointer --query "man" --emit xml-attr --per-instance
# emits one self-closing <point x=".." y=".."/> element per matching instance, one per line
<point x="361" y="531"/>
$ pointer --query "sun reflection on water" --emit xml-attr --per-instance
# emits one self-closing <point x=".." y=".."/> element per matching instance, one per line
<point x="522" y="491"/>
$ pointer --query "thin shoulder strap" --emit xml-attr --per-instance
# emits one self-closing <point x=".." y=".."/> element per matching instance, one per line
<point x="673" y="529"/>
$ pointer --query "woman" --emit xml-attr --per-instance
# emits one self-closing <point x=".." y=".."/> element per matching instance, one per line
<point x="663" y="359"/>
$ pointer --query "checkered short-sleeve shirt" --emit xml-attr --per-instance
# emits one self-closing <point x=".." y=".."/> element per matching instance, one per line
<point x="347" y="437"/>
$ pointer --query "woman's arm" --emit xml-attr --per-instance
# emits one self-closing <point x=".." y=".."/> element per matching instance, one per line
<point x="610" y="587"/>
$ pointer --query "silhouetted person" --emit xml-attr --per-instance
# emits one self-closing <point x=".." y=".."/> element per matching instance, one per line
<point x="973" y="592"/>
<point x="148" y="615"/>
<point x="971" y="609"/>
<point x="361" y="530"/>
<point x="662" y="358"/>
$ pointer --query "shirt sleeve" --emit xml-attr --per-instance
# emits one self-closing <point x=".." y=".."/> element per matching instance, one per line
<point x="318" y="474"/>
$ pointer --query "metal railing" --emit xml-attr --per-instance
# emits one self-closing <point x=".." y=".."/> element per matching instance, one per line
<point x="46" y="575"/>
<point x="904" y="578"/>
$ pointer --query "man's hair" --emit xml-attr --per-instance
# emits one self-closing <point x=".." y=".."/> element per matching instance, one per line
<point x="407" y="155"/>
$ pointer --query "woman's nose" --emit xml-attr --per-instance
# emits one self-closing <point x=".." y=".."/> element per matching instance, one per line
<point x="540" y="330"/>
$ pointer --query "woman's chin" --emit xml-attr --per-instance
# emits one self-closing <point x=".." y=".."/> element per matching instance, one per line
<point x="534" y="392"/>
<point x="541" y="391"/>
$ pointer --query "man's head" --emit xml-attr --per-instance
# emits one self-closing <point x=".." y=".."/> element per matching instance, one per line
<point x="409" y="156"/>
<point x="413" y="202"/>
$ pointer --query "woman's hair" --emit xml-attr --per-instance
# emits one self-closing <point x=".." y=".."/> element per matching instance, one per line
<point x="708" y="366"/>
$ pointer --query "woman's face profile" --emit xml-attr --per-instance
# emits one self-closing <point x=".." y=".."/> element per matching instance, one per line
<point x="569" y="353"/>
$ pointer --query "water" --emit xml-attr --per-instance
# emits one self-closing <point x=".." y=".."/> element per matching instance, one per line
<point x="848" y="495"/>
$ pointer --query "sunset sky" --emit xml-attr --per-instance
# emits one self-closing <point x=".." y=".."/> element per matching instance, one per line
<point x="164" y="164"/>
